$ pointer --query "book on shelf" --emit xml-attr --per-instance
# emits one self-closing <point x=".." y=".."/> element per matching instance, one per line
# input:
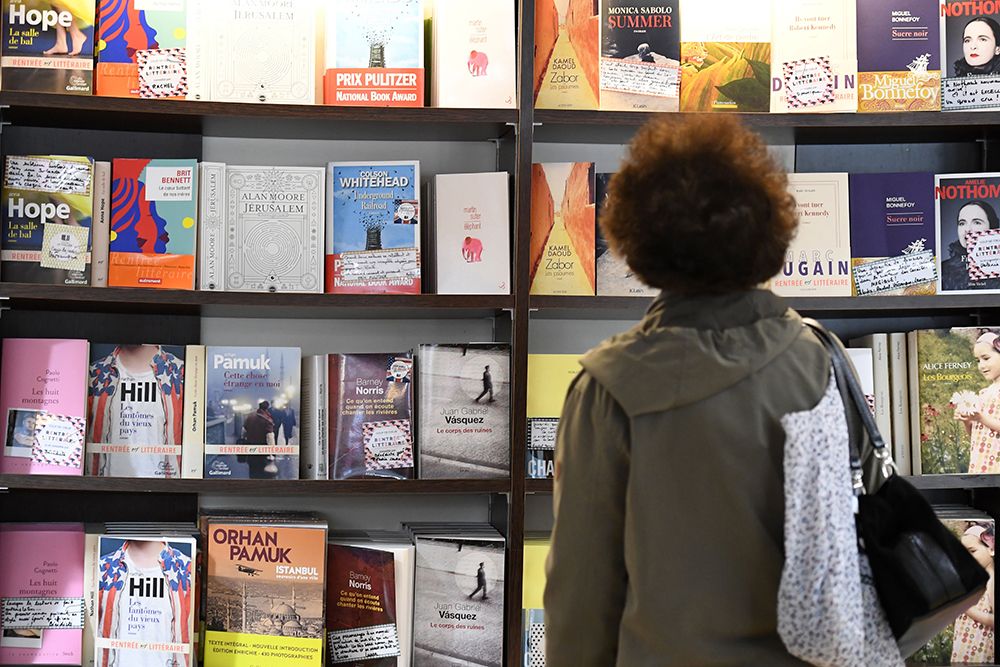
<point x="967" y="233"/>
<point x="43" y="400"/>
<point x="877" y="359"/>
<point x="471" y="233"/>
<point x="862" y="359"/>
<point x="154" y="231"/>
<point x="899" y="382"/>
<point x="613" y="275"/>
<point x="818" y="260"/>
<point x="251" y="412"/>
<point x="892" y="234"/>
<point x="970" y="57"/>
<point x="193" y="430"/>
<point x="563" y="219"/>
<point x="567" y="54"/>
<point x="464" y="417"/>
<point x="371" y="415"/>
<point x="361" y="614"/>
<point x="473" y="54"/>
<point x="136" y="411"/>
<point x="536" y="552"/>
<point x="640" y="55"/>
<point x="48" y="47"/>
<point x="48" y="211"/>
<point x="91" y="543"/>
<point x="899" y="56"/>
<point x="42" y="569"/>
<point x="725" y="55"/>
<point x="374" y="218"/>
<point x="100" y="227"/>
<point x="374" y="53"/>
<point x="314" y="430"/>
<point x="142" y="49"/>
<point x="212" y="242"/>
<point x="549" y="378"/>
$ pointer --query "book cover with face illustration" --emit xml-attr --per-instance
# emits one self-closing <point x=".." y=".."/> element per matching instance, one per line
<point x="142" y="49"/>
<point x="970" y="55"/>
<point x="967" y="232"/>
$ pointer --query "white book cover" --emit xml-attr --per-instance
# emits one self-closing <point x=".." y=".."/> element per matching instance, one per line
<point x="814" y="65"/>
<point x="198" y="57"/>
<point x="899" y="387"/>
<point x="472" y="233"/>
<point x="474" y="54"/>
<point x="101" y="225"/>
<point x="274" y="222"/>
<point x="818" y="261"/>
<point x="879" y="346"/>
<point x="967" y="232"/>
<point x="861" y="358"/>
<point x="212" y="227"/>
<point x="314" y="425"/>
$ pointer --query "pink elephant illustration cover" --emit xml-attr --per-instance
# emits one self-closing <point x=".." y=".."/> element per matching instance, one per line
<point x="472" y="233"/>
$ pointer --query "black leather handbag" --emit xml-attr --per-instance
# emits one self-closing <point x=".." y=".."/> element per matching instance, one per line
<point x="923" y="575"/>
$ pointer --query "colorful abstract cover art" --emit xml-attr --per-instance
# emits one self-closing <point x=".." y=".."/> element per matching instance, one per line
<point x="154" y="235"/>
<point x="899" y="55"/>
<point x="265" y="594"/>
<point x="145" y="601"/>
<point x="563" y="224"/>
<point x="970" y="55"/>
<point x="373" y="245"/>
<point x="361" y="609"/>
<point x="48" y="47"/>
<point x="968" y="232"/>
<point x="640" y="55"/>
<point x="614" y="277"/>
<point x="136" y="406"/>
<point x="141" y="49"/>
<point x="567" y="54"/>
<point x="47" y="218"/>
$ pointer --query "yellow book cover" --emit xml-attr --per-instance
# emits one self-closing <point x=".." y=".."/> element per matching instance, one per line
<point x="563" y="228"/>
<point x="549" y="377"/>
<point x="567" y="33"/>
<point x="536" y="551"/>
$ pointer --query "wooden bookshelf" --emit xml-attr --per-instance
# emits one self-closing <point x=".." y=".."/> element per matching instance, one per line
<point x="923" y="482"/>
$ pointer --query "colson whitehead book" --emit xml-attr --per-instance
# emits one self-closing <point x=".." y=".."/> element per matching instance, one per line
<point x="142" y="50"/>
<point x="562" y="228"/>
<point x="371" y="415"/>
<point x="725" y="55"/>
<point x="265" y="594"/>
<point x="42" y="570"/>
<point x="373" y="244"/>
<point x="274" y="217"/>
<point x="967" y="235"/>
<point x="640" y="55"/>
<point x="614" y="277"/>
<point x="375" y="53"/>
<point x="43" y="402"/>
<point x="136" y="405"/>
<point x="549" y="378"/>
<point x="154" y="232"/>
<point x="47" y="219"/>
<point x="252" y="412"/>
<point x="48" y="47"/>
<point x="361" y="613"/>
<point x="464" y="410"/>
<point x="892" y="233"/>
<point x="145" y="600"/>
<point x="970" y="55"/>
<point x="899" y="55"/>
<point x="567" y="54"/>
<point x="818" y="261"/>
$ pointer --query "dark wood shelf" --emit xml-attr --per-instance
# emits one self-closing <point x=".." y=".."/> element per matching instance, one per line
<point x="542" y="486"/>
<point x="926" y="482"/>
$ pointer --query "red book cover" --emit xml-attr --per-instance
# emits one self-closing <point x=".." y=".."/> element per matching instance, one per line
<point x="361" y="609"/>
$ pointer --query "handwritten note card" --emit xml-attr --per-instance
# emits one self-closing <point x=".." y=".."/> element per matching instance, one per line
<point x="41" y="613"/>
<point x="376" y="641"/>
<point x="44" y="174"/>
<point x="894" y="273"/>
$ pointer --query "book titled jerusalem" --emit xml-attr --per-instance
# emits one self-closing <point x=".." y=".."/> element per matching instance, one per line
<point x="640" y="55"/>
<point x="464" y="427"/>
<point x="361" y="613"/>
<point x="614" y="277"/>
<point x="373" y="242"/>
<point x="47" y="218"/>
<point x="970" y="62"/>
<point x="252" y="412"/>
<point x="967" y="234"/>
<point x="567" y="55"/>
<point x="549" y="378"/>
<point x="142" y="49"/>
<point x="154" y="232"/>
<point x="563" y="219"/>
<point x="48" y="47"/>
<point x="274" y="218"/>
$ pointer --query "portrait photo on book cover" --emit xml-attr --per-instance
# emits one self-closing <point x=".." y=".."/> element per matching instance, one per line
<point x="972" y="44"/>
<point x="968" y="234"/>
<point x="20" y="433"/>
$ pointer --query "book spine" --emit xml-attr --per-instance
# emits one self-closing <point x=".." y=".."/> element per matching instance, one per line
<point x="90" y="558"/>
<point x="196" y="43"/>
<point x="913" y="373"/>
<point x="323" y="434"/>
<point x="212" y="217"/>
<point x="309" y="447"/>
<point x="101" y="225"/>
<point x="883" y="395"/>
<point x="193" y="450"/>
<point x="898" y="370"/>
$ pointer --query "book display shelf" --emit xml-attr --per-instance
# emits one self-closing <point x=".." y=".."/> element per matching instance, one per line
<point x="110" y="127"/>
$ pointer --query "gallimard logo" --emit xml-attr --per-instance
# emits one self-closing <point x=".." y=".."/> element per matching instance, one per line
<point x="255" y="546"/>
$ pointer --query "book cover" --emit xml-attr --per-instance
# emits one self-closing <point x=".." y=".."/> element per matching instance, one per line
<point x="265" y="594"/>
<point x="42" y="570"/>
<point x="562" y="236"/>
<point x="464" y="424"/>
<point x="818" y="261"/>
<point x="43" y="401"/>
<point x="361" y="614"/>
<point x="274" y="221"/>
<point x="892" y="235"/>
<point x="970" y="55"/>
<point x="567" y="54"/>
<point x="640" y="55"/>
<point x="458" y="606"/>
<point x="193" y="431"/>
<point x="48" y="211"/>
<point x="375" y="53"/>
<point x="725" y="55"/>
<point x="211" y="225"/>
<point x="251" y="412"/>
<point x="145" y="600"/>
<point x="314" y="431"/>
<point x="136" y="408"/>
<point x="899" y="55"/>
<point x="154" y="232"/>
<point x="100" y="228"/>
<point x="371" y="416"/>
<point x="48" y="47"/>
<point x="967" y="232"/>
<point x="472" y="233"/>
<point x="864" y="364"/>
<point x="878" y="345"/>
<point x="373" y="243"/>
<point x="814" y="64"/>
<point x="536" y="552"/>
<point x="613" y="275"/>
<point x="549" y="377"/>
<point x="141" y="49"/>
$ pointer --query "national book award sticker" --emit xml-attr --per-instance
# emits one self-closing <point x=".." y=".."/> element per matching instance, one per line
<point x="64" y="247"/>
<point x="984" y="255"/>
<point x="808" y="82"/>
<point x="406" y="212"/>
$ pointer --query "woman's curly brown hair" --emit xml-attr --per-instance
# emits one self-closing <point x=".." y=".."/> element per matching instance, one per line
<point x="699" y="207"/>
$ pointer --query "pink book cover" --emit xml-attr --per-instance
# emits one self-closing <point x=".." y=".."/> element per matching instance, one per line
<point x="43" y="406"/>
<point x="41" y="561"/>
